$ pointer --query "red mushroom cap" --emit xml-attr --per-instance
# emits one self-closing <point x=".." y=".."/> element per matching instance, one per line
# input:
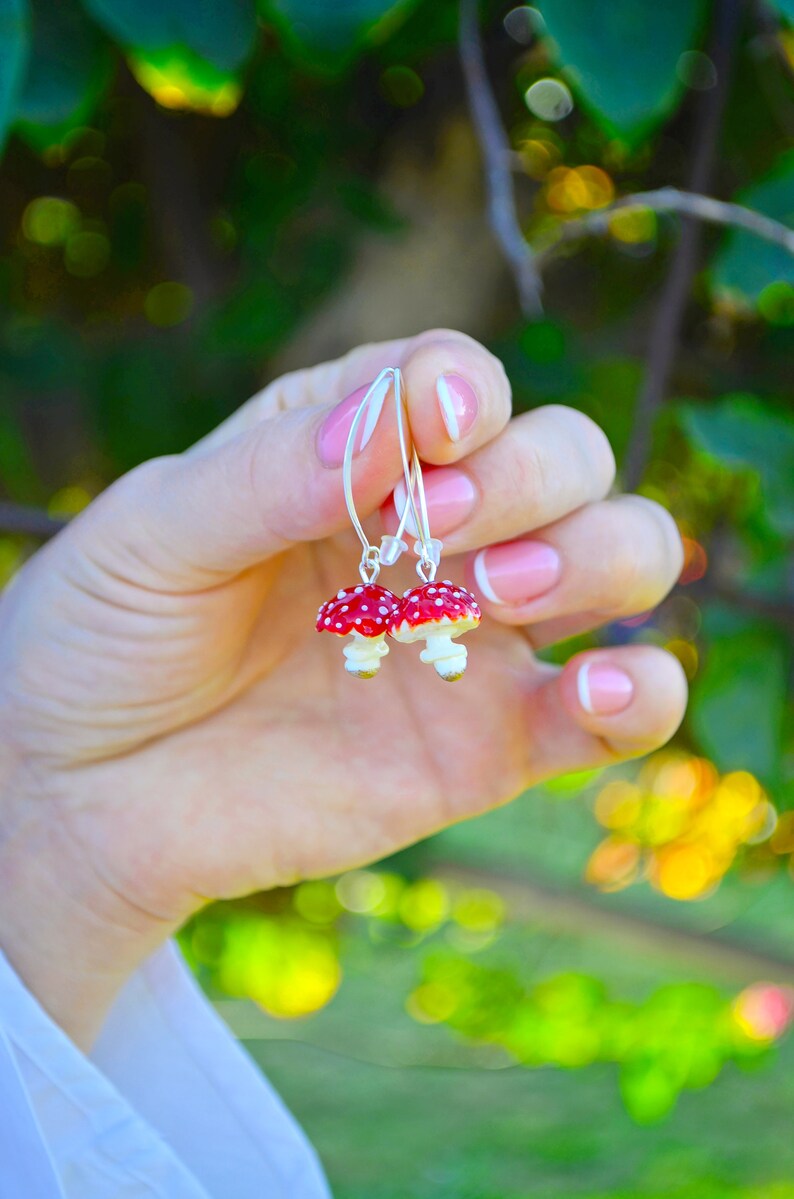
<point x="434" y="605"/>
<point x="365" y="609"/>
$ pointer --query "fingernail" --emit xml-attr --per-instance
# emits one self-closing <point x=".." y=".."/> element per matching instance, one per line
<point x="450" y="496"/>
<point x="516" y="572"/>
<point x="457" y="400"/>
<point x="335" y="429"/>
<point x="603" y="689"/>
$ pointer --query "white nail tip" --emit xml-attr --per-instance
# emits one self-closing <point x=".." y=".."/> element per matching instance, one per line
<point x="448" y="414"/>
<point x="482" y="580"/>
<point x="374" y="409"/>
<point x="583" y="688"/>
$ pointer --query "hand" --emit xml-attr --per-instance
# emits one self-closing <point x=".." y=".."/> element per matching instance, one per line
<point x="173" y="728"/>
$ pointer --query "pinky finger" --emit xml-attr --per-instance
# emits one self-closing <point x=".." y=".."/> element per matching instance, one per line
<point x="607" y="705"/>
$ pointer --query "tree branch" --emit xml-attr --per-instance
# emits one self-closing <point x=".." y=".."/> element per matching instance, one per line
<point x="666" y="327"/>
<point x="777" y="611"/>
<point x="670" y="199"/>
<point x="20" y="520"/>
<point x="497" y="159"/>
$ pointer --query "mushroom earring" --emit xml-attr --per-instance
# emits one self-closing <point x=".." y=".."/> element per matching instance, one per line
<point x="361" y="612"/>
<point x="437" y="613"/>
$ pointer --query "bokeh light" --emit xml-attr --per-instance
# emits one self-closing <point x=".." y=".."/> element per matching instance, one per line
<point x="361" y="890"/>
<point x="49" y="220"/>
<point x="549" y="99"/>
<point x="286" y="968"/>
<point x="764" y="1011"/>
<point x="696" y="70"/>
<point x="86" y="253"/>
<point x="679" y="824"/>
<point x="696" y="561"/>
<point x="538" y="155"/>
<point x="68" y="501"/>
<point x="578" y="189"/>
<point x="633" y="226"/>
<point x="168" y="304"/>
<point x="776" y="303"/>
<point x="402" y="86"/>
<point x="424" y="905"/>
<point x="177" y="79"/>
<point x="523" y="23"/>
<point x="317" y="901"/>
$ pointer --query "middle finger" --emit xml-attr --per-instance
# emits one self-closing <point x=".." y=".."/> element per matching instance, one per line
<point x="544" y="465"/>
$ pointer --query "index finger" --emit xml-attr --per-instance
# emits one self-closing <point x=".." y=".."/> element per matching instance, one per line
<point x="457" y="393"/>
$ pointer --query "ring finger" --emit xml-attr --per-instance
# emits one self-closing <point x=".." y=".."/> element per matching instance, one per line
<point x="607" y="561"/>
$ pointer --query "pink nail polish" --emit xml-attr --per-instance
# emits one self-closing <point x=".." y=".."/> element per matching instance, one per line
<point x="457" y="400"/>
<point x="450" y="495"/>
<point x="516" y="572"/>
<point x="603" y="689"/>
<point x="335" y="429"/>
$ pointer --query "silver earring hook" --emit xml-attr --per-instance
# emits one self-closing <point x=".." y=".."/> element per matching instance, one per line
<point x="427" y="547"/>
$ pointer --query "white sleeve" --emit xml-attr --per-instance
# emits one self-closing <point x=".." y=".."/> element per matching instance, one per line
<point x="168" y="1106"/>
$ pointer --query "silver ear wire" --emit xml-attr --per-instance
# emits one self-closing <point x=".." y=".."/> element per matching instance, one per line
<point x="427" y="548"/>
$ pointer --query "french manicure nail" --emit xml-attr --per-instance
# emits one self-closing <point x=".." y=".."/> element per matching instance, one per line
<point x="457" y="400"/>
<point x="335" y="429"/>
<point x="603" y="689"/>
<point x="450" y="496"/>
<point x="516" y="572"/>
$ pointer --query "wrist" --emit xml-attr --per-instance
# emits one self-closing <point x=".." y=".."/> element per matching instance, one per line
<point x="70" y="937"/>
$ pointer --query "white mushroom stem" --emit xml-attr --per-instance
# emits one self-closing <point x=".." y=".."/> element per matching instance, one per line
<point x="448" y="656"/>
<point x="363" y="655"/>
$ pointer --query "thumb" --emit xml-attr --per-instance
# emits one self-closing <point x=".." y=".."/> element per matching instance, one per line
<point x="188" y="521"/>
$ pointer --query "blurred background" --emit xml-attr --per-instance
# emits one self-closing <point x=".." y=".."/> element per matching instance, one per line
<point x="587" y="993"/>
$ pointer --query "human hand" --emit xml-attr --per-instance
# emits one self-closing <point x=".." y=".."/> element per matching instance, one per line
<point x="172" y="728"/>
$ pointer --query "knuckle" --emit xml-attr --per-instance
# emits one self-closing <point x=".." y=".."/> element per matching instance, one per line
<point x="136" y="488"/>
<point x="528" y="477"/>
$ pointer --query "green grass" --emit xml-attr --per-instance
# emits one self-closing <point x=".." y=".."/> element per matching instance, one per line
<point x="400" y="1111"/>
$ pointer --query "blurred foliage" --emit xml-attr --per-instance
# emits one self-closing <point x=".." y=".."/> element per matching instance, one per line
<point x="627" y="80"/>
<point x="678" y="824"/>
<point x="678" y="1038"/>
<point x="284" y="951"/>
<point x="186" y="188"/>
<point x="759" y="273"/>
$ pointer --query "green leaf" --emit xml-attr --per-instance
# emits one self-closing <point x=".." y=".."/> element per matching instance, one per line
<point x="331" y="34"/>
<point x="746" y="264"/>
<point x="738" y="701"/>
<point x="14" y="50"/>
<point x="742" y="433"/>
<point x="222" y="31"/>
<point x="621" y="57"/>
<point x="68" y="65"/>
<point x="786" y="7"/>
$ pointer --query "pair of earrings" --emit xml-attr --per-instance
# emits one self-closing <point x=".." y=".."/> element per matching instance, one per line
<point x="436" y="613"/>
